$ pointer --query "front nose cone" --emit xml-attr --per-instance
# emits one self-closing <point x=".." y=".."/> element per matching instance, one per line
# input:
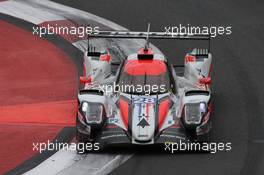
<point x="143" y="122"/>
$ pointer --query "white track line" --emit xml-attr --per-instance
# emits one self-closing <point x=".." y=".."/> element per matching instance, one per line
<point x="65" y="10"/>
<point x="68" y="162"/>
<point x="28" y="13"/>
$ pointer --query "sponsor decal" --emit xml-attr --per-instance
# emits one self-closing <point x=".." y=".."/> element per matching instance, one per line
<point x="143" y="123"/>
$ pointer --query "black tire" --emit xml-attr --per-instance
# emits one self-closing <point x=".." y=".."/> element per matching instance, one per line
<point x="81" y="141"/>
<point x="206" y="138"/>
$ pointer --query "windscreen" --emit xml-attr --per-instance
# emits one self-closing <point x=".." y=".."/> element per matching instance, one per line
<point x="145" y="77"/>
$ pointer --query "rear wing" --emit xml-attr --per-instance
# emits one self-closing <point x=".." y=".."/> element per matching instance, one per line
<point x="150" y="35"/>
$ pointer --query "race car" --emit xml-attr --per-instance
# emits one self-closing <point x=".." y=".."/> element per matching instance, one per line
<point x="146" y="101"/>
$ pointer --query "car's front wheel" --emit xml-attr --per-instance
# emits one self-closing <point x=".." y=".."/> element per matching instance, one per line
<point x="205" y="138"/>
<point x="81" y="142"/>
<point x="81" y="138"/>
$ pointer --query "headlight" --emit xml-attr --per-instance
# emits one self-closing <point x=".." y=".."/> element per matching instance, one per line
<point x="93" y="112"/>
<point x="84" y="106"/>
<point x="194" y="112"/>
<point x="202" y="107"/>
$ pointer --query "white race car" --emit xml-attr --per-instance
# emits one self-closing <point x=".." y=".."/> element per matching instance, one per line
<point x="146" y="101"/>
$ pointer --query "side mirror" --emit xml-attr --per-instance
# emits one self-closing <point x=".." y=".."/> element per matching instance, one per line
<point x="84" y="79"/>
<point x="205" y="81"/>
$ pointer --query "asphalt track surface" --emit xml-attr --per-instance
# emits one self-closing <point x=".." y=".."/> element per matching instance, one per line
<point x="237" y="79"/>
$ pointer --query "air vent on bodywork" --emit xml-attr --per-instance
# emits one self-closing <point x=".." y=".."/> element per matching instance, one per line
<point x="94" y="54"/>
<point x="145" y="54"/>
<point x="199" y="52"/>
<point x="145" y="57"/>
<point x="92" y="91"/>
<point x="144" y="141"/>
<point x="196" y="92"/>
